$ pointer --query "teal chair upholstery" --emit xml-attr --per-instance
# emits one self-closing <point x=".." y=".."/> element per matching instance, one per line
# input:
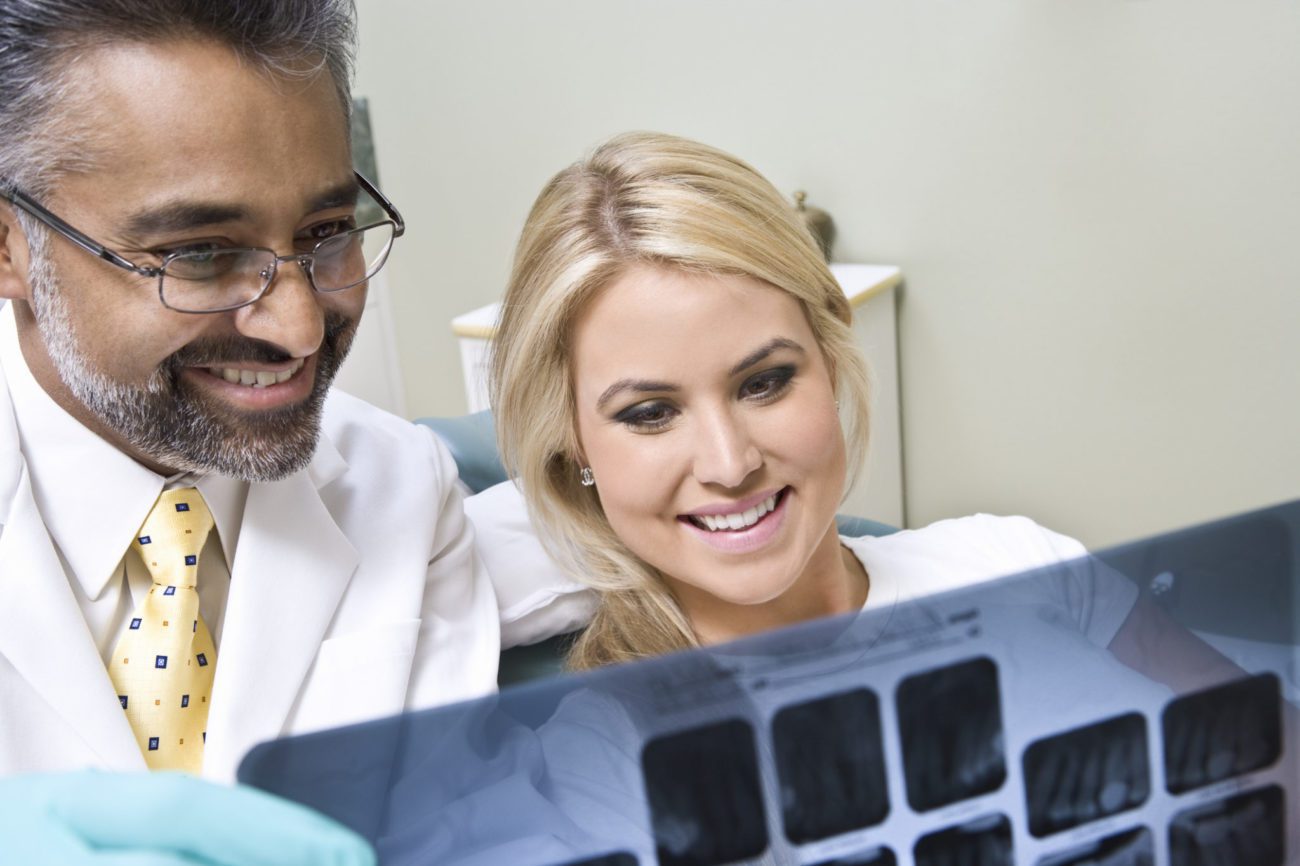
<point x="859" y="527"/>
<point x="472" y="442"/>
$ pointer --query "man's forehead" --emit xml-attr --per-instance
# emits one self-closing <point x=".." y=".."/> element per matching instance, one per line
<point x="185" y="123"/>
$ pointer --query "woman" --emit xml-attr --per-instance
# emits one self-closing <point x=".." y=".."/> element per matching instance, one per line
<point x="678" y="391"/>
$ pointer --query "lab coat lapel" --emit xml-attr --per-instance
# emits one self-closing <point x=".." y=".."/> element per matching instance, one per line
<point x="290" y="570"/>
<point x="44" y="636"/>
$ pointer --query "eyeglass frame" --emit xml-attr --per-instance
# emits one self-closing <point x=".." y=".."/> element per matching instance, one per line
<point x="21" y="200"/>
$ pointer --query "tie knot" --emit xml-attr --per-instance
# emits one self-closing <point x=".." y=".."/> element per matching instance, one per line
<point x="172" y="536"/>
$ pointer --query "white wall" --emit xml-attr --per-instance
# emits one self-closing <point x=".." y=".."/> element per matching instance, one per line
<point x="1095" y="203"/>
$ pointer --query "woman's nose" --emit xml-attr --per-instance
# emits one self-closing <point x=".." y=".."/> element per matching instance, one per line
<point x="725" y="454"/>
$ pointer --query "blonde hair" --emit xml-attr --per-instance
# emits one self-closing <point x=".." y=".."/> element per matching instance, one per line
<point x="655" y="199"/>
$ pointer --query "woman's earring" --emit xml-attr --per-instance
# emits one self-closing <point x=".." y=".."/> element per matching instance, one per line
<point x="588" y="480"/>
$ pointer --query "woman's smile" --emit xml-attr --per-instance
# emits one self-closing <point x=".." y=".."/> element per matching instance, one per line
<point x="742" y="527"/>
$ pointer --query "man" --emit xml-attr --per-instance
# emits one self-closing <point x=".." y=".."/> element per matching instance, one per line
<point x="184" y="273"/>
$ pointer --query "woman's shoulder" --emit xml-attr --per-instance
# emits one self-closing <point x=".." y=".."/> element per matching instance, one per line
<point x="966" y="551"/>
<point x="988" y="536"/>
<point x="960" y="551"/>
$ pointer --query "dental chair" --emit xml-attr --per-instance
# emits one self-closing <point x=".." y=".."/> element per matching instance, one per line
<point x="471" y="439"/>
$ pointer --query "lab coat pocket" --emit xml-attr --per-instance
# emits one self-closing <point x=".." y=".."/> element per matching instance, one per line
<point x="359" y="675"/>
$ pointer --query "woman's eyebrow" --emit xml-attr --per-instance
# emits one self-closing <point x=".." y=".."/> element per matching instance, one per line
<point x="652" y="386"/>
<point x="763" y="351"/>
<point x="640" y="385"/>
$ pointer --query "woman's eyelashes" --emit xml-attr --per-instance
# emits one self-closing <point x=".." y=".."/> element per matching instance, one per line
<point x="652" y="416"/>
<point x="766" y="386"/>
<point x="648" y="417"/>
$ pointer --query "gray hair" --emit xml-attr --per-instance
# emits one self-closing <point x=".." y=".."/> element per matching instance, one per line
<point x="39" y="38"/>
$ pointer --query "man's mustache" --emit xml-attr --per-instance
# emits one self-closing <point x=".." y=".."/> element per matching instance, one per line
<point x="232" y="350"/>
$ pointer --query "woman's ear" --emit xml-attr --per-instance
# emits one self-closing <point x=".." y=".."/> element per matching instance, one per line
<point x="15" y="257"/>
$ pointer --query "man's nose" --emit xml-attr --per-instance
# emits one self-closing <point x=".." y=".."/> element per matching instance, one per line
<point x="289" y="315"/>
<point x="725" y="453"/>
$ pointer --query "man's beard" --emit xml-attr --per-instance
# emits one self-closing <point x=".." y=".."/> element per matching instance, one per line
<point x="173" y="423"/>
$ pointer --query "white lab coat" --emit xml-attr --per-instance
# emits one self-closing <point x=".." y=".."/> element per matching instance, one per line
<point x="355" y="593"/>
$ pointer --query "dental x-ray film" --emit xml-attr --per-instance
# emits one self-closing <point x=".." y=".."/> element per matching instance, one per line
<point x="999" y="723"/>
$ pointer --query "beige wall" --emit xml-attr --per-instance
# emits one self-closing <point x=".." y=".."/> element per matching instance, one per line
<point x="1096" y="206"/>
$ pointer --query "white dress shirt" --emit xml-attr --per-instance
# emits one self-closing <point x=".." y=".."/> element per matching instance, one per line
<point x="93" y="498"/>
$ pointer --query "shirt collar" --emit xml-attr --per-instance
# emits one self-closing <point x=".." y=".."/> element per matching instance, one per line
<point x="92" y="496"/>
<point x="225" y="498"/>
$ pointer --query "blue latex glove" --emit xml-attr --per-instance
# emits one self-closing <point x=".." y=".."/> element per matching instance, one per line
<point x="90" y="818"/>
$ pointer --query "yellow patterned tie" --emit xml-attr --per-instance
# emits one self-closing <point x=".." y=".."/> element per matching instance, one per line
<point x="163" y="665"/>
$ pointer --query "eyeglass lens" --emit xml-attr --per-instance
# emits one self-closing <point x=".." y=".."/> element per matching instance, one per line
<point x="224" y="279"/>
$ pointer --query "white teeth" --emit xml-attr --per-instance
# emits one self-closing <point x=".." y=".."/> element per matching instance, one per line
<point x="255" y="378"/>
<point x="739" y="520"/>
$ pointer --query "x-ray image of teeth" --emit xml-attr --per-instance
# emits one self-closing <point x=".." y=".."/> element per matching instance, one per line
<point x="831" y="765"/>
<point x="1245" y="830"/>
<point x="875" y="857"/>
<point x="1132" y="848"/>
<point x="1086" y="774"/>
<point x="621" y="858"/>
<point x="950" y="721"/>
<point x="984" y="842"/>
<point x="1222" y="732"/>
<point x="705" y="798"/>
<point x="988" y="726"/>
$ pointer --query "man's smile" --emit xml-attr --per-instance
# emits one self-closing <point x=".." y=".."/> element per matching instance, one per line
<point x="258" y="377"/>
<point x="257" y="386"/>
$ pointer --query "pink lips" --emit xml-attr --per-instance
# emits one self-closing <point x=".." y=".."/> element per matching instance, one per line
<point x="733" y="507"/>
<point x="742" y="540"/>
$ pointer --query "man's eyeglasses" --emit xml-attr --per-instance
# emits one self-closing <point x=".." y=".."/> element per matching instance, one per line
<point x="218" y="279"/>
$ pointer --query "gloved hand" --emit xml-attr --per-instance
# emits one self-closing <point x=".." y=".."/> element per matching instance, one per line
<point x="91" y="818"/>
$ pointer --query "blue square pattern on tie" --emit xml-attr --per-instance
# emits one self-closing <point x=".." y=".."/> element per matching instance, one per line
<point x="185" y="701"/>
<point x="203" y="660"/>
<point x="196" y="626"/>
<point x="122" y="698"/>
<point x="160" y="661"/>
<point x="135" y="623"/>
<point x="191" y="560"/>
<point x="153" y="744"/>
<point x="182" y="506"/>
<point x="171" y="590"/>
<point x="144" y="539"/>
